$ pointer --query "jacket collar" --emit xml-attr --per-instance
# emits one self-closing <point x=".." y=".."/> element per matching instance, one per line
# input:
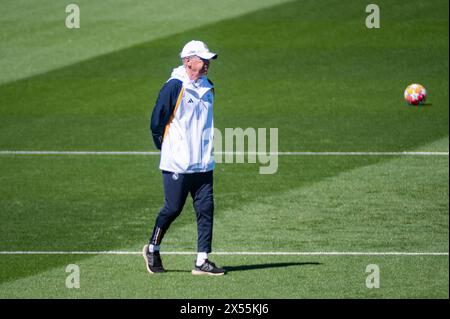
<point x="201" y="86"/>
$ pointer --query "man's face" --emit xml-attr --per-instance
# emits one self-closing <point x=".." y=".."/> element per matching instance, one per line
<point x="197" y="67"/>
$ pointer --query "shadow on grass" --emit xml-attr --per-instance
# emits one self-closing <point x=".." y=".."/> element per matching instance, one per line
<point x="178" y="270"/>
<point x="420" y="105"/>
<point x="268" y="265"/>
<point x="252" y="267"/>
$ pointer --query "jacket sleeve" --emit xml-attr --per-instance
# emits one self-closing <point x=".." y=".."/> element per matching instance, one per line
<point x="163" y="109"/>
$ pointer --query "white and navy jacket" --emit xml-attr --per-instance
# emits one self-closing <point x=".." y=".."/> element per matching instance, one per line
<point x="182" y="124"/>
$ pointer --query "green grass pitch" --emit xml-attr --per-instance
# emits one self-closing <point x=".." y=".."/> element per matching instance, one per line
<point x="309" y="68"/>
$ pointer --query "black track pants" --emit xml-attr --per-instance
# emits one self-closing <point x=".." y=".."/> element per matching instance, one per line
<point x="176" y="189"/>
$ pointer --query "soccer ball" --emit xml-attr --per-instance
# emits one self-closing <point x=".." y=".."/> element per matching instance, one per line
<point x="415" y="94"/>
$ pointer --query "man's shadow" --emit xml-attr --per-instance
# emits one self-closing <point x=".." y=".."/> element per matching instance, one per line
<point x="268" y="265"/>
<point x="257" y="266"/>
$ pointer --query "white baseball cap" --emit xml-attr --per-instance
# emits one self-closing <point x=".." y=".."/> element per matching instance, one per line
<point x="199" y="49"/>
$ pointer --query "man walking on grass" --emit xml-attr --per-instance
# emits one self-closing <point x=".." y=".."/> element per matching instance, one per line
<point x="183" y="129"/>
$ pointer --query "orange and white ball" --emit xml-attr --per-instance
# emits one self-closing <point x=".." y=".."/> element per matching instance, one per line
<point x="415" y="94"/>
